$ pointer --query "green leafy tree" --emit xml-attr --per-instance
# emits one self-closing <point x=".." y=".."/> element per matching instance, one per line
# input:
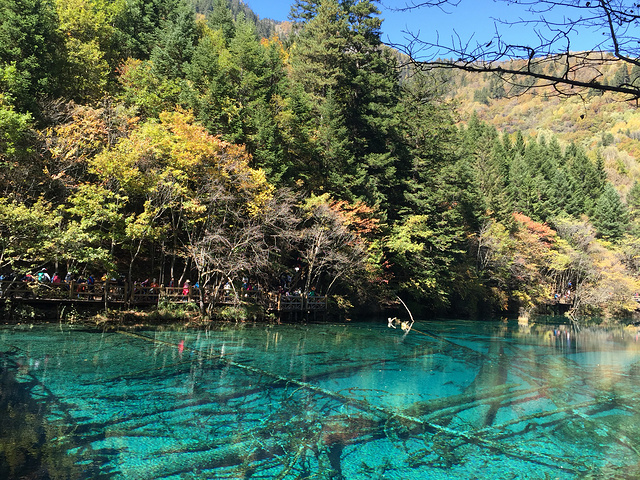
<point x="15" y="130"/>
<point x="424" y="251"/>
<point x="144" y="89"/>
<point x="88" y="37"/>
<point x="92" y="225"/>
<point x="26" y="234"/>
<point x="182" y="185"/>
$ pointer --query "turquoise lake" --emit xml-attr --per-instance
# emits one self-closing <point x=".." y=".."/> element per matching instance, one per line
<point x="450" y="399"/>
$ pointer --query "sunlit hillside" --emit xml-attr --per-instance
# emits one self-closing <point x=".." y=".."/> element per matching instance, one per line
<point x="603" y="123"/>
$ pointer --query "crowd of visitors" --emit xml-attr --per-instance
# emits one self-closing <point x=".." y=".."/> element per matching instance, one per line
<point x="91" y="284"/>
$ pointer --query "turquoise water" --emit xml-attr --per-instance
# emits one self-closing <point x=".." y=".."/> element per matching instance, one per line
<point x="450" y="399"/>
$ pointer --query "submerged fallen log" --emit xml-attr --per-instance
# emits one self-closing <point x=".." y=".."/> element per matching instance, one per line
<point x="419" y="426"/>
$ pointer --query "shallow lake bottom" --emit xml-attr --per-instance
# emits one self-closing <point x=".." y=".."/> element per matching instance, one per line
<point x="449" y="399"/>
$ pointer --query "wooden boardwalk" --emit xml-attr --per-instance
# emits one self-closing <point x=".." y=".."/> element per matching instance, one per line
<point x="115" y="294"/>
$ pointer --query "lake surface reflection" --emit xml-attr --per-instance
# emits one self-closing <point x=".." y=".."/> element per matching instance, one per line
<point x="450" y="399"/>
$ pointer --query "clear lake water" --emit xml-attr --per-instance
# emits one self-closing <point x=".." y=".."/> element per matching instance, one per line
<point x="448" y="400"/>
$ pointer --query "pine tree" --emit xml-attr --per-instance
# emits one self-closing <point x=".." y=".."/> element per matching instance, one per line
<point x="140" y="24"/>
<point x="31" y="53"/>
<point x="303" y="10"/>
<point x="523" y="187"/>
<point x="634" y="76"/>
<point x="208" y="90"/>
<point x="519" y="145"/>
<point x="621" y="76"/>
<point x="633" y="201"/>
<point x="338" y="57"/>
<point x="587" y="178"/>
<point x="610" y="216"/>
<point x="221" y="19"/>
<point x="176" y="44"/>
<point x="561" y="195"/>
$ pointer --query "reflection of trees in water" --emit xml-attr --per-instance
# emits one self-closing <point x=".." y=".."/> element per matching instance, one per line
<point x="31" y="445"/>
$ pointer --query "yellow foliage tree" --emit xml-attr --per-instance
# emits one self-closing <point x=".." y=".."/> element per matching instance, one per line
<point x="194" y="191"/>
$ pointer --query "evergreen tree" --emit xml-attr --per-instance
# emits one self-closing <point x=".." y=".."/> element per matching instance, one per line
<point x="519" y="145"/>
<point x="209" y="90"/>
<point x="554" y="152"/>
<point x="561" y="195"/>
<point x="496" y="88"/>
<point x="31" y="53"/>
<point x="303" y="10"/>
<point x="634" y="76"/>
<point x="491" y="167"/>
<point x="633" y="207"/>
<point x="610" y="216"/>
<point x="621" y="76"/>
<point x="633" y="201"/>
<point x="140" y="23"/>
<point x="523" y="186"/>
<point x="176" y="43"/>
<point x="240" y="91"/>
<point x="221" y="19"/>
<point x="338" y="57"/>
<point x="587" y="177"/>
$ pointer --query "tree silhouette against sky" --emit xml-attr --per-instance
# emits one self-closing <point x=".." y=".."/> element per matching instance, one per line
<point x="551" y="56"/>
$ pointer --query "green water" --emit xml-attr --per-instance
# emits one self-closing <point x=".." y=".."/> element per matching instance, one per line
<point x="450" y="399"/>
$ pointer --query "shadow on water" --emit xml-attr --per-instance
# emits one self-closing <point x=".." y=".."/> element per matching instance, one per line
<point x="33" y="444"/>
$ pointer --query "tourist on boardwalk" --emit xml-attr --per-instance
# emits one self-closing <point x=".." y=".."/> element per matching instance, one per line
<point x="43" y="276"/>
<point x="186" y="288"/>
<point x="56" y="280"/>
<point x="153" y="288"/>
<point x="82" y="285"/>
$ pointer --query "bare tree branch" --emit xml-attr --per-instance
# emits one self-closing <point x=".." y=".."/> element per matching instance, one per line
<point x="549" y="59"/>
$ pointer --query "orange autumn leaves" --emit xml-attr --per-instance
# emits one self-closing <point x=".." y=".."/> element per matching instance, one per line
<point x="543" y="262"/>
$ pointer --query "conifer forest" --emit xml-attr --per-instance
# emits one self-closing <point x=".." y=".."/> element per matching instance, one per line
<point x="190" y="139"/>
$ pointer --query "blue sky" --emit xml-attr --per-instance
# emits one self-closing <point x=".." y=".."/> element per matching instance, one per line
<point x="471" y="18"/>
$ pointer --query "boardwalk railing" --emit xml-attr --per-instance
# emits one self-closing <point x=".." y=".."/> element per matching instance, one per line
<point x="118" y="293"/>
<point x="285" y="303"/>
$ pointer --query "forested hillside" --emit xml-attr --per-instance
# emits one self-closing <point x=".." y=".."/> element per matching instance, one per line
<point x="172" y="139"/>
